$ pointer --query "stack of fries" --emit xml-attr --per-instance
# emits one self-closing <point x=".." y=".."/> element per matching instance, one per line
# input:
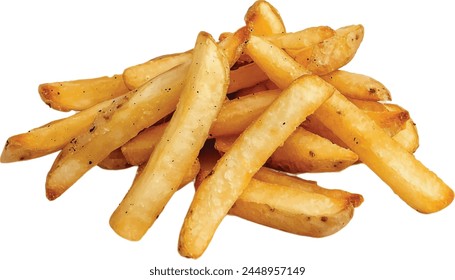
<point x="240" y="117"/>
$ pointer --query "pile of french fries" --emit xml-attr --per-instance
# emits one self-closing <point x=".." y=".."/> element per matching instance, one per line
<point x="242" y="117"/>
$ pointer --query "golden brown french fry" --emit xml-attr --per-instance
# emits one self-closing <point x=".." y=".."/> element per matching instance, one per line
<point x="302" y="151"/>
<point x="357" y="86"/>
<point x="201" y="99"/>
<point x="333" y="53"/>
<point x="216" y="195"/>
<point x="81" y="94"/>
<point x="264" y="19"/>
<point x="301" y="39"/>
<point x="51" y="137"/>
<point x="414" y="183"/>
<point x="122" y="121"/>
<point x="137" y="75"/>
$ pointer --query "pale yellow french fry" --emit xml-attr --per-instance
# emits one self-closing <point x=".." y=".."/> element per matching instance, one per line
<point x="81" y="94"/>
<point x="216" y="195"/>
<point x="413" y="182"/>
<point x="201" y="99"/>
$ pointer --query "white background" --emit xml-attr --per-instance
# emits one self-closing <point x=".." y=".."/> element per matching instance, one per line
<point x="407" y="46"/>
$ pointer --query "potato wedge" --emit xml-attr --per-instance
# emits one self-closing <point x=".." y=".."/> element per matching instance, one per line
<point x="79" y="95"/>
<point x="201" y="99"/>
<point x="408" y="137"/>
<point x="250" y="151"/>
<point x="333" y="53"/>
<point x="122" y="121"/>
<point x="357" y="86"/>
<point x="413" y="182"/>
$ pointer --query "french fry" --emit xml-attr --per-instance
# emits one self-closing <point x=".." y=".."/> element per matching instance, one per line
<point x="51" y="137"/>
<point x="333" y="53"/>
<point x="122" y="121"/>
<point x="358" y="86"/>
<point x="188" y="177"/>
<point x="292" y="210"/>
<point x="276" y="177"/>
<point x="137" y="75"/>
<point x="81" y="94"/>
<point x="263" y="19"/>
<point x="302" y="151"/>
<point x="301" y="39"/>
<point x="414" y="183"/>
<point x="250" y="151"/>
<point x="201" y="99"/>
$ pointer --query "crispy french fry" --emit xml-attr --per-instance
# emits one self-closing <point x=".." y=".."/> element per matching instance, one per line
<point x="264" y="19"/>
<point x="301" y="39"/>
<point x="201" y="99"/>
<point x="302" y="151"/>
<point x="51" y="137"/>
<point x="122" y="121"/>
<point x="249" y="152"/>
<point x="414" y="183"/>
<point x="333" y="53"/>
<point x="357" y="86"/>
<point x="137" y="75"/>
<point x="81" y="94"/>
